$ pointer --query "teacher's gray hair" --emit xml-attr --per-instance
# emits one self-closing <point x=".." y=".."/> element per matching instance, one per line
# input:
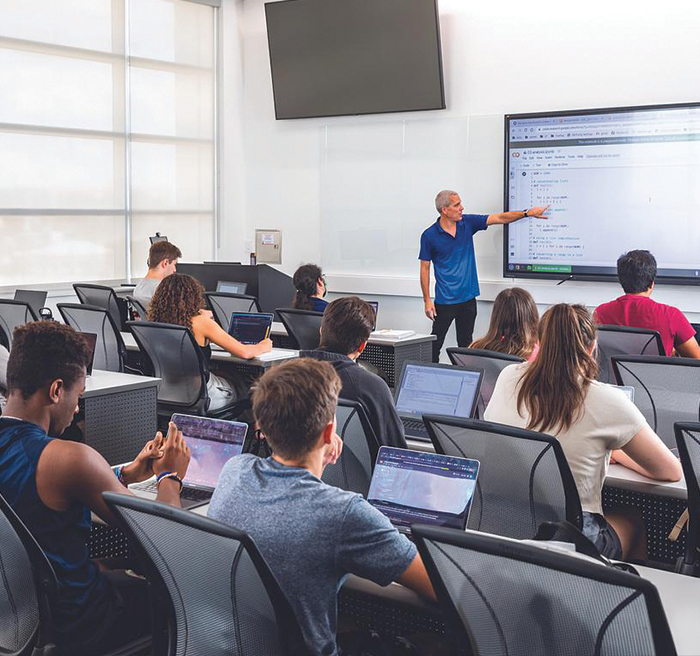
<point x="443" y="199"/>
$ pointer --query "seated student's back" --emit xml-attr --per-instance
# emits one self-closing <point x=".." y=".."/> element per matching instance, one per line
<point x="345" y="329"/>
<point x="636" y="272"/>
<point x="311" y="534"/>
<point x="162" y="262"/>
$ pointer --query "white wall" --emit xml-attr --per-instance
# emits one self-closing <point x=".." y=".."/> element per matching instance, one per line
<point x="499" y="57"/>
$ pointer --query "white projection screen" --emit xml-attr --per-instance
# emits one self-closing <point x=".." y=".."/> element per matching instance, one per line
<point x="616" y="180"/>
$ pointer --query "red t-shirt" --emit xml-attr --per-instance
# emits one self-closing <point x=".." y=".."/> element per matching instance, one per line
<point x="642" y="312"/>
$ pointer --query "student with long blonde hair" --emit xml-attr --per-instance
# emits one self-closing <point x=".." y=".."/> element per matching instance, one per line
<point x="558" y="394"/>
<point x="513" y="326"/>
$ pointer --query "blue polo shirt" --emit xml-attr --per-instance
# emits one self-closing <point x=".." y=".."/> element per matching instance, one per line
<point x="453" y="259"/>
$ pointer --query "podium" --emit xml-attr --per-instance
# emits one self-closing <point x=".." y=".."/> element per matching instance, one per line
<point x="272" y="288"/>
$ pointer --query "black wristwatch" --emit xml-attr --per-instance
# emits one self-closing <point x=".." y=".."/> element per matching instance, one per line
<point x="525" y="213"/>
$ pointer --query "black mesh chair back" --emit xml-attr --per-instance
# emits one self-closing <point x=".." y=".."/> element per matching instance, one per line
<point x="138" y="307"/>
<point x="178" y="361"/>
<point x="12" y="314"/>
<point x="666" y="389"/>
<point x="213" y="593"/>
<point x="303" y="326"/>
<point x="101" y="296"/>
<point x="524" y="478"/>
<point x="491" y="362"/>
<point x="110" y="350"/>
<point x="688" y="440"/>
<point x="504" y="597"/>
<point x="353" y="471"/>
<point x="27" y="583"/>
<point x="623" y="340"/>
<point x="224" y="305"/>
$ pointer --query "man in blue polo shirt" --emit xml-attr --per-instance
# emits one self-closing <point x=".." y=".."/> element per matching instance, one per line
<point x="449" y="245"/>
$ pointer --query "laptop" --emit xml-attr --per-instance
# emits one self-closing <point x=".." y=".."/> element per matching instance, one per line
<point x="212" y="443"/>
<point x="91" y="340"/>
<point x="35" y="299"/>
<point x="230" y="287"/>
<point x="438" y="389"/>
<point x="628" y="390"/>
<point x="250" y="327"/>
<point x="415" y="487"/>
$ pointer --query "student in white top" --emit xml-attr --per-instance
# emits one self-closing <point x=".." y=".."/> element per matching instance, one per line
<point x="558" y="394"/>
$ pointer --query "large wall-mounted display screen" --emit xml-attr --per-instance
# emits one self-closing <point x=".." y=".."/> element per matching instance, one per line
<point x="616" y="180"/>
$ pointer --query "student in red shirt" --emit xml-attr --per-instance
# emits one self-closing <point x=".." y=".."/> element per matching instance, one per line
<point x="636" y="272"/>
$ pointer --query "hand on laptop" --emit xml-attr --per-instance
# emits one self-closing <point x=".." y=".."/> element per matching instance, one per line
<point x="175" y="454"/>
<point x="333" y="450"/>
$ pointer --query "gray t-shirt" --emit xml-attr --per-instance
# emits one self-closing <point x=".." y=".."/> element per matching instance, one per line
<point x="312" y="535"/>
<point x="144" y="290"/>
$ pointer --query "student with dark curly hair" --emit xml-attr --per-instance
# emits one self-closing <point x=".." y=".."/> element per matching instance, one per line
<point x="55" y="484"/>
<point x="311" y="288"/>
<point x="179" y="299"/>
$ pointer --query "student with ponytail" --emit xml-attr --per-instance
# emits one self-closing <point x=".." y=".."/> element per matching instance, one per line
<point x="513" y="327"/>
<point x="311" y="288"/>
<point x="558" y="394"/>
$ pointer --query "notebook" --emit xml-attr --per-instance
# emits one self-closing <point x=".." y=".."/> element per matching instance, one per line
<point x="415" y="487"/>
<point x="250" y="327"/>
<point x="438" y="389"/>
<point x="212" y="443"/>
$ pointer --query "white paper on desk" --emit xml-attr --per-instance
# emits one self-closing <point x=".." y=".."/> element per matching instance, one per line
<point x="397" y="335"/>
<point x="277" y="355"/>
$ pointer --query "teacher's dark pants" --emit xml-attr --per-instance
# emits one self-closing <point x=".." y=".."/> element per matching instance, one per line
<point x="464" y="314"/>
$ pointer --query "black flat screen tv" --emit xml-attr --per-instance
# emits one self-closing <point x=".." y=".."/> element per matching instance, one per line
<point x="617" y="179"/>
<point x="348" y="57"/>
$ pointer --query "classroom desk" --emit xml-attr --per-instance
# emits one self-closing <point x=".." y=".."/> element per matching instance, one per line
<point x="252" y="368"/>
<point x="388" y="355"/>
<point x="120" y="413"/>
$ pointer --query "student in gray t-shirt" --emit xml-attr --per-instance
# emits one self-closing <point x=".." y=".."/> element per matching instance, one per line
<point x="311" y="534"/>
<point x="162" y="262"/>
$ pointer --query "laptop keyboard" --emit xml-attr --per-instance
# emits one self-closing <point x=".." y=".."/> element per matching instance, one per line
<point x="415" y="427"/>
<point x="189" y="493"/>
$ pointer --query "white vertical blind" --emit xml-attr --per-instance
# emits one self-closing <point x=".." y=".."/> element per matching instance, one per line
<point x="104" y="105"/>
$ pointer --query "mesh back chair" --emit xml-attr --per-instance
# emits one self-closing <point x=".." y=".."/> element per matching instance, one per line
<point x="13" y="314"/>
<point x="524" y="478"/>
<point x="688" y="440"/>
<point x="104" y="297"/>
<point x="303" y="326"/>
<point x="27" y="582"/>
<point x="666" y="389"/>
<point x="491" y="362"/>
<point x="353" y="471"/>
<point x="504" y="597"/>
<point x="212" y="592"/>
<point x="110" y="350"/>
<point x="176" y="358"/>
<point x="224" y="305"/>
<point x="623" y="340"/>
<point x="696" y="328"/>
<point x="138" y="307"/>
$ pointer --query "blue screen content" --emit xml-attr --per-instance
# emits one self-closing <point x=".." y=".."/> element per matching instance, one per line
<point x="412" y="487"/>
<point x="250" y="328"/>
<point x="438" y="391"/>
<point x="212" y="443"/>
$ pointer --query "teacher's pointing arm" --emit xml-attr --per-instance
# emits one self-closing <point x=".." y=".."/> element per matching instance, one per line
<point x="509" y="217"/>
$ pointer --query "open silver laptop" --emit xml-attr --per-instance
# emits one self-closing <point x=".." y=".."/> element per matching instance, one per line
<point x="439" y="389"/>
<point x="416" y="487"/>
<point x="212" y="443"/>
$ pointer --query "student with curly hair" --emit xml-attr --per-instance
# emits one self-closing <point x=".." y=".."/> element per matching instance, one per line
<point x="311" y="288"/>
<point x="179" y="299"/>
<point x="513" y="326"/>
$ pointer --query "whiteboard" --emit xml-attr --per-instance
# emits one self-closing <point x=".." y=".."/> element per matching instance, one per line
<point x="379" y="181"/>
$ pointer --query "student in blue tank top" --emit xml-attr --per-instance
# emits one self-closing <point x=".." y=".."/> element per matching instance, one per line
<point x="449" y="245"/>
<point x="53" y="485"/>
